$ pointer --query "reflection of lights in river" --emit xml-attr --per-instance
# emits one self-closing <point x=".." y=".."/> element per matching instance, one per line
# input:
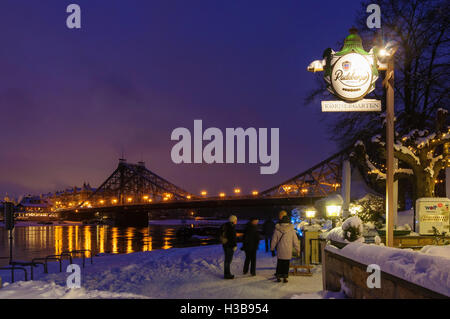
<point x="129" y="236"/>
<point x="58" y="240"/>
<point x="101" y="235"/>
<point x="115" y="239"/>
<point x="166" y="243"/>
<point x="77" y="246"/>
<point x="148" y="244"/>
<point x="169" y="233"/>
<point x="87" y="238"/>
<point x="70" y="237"/>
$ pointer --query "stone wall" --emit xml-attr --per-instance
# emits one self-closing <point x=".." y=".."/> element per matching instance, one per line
<point x="354" y="275"/>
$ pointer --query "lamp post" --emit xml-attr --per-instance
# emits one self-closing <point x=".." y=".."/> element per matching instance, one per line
<point x="333" y="212"/>
<point x="387" y="53"/>
<point x="310" y="214"/>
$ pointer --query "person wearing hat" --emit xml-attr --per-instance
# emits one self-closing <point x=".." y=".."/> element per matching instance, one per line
<point x="250" y="245"/>
<point x="284" y="240"/>
<point x="229" y="244"/>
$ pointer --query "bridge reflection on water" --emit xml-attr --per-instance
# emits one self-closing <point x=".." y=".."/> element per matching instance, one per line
<point x="39" y="241"/>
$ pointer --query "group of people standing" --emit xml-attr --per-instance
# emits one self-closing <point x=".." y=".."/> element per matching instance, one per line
<point x="280" y="238"/>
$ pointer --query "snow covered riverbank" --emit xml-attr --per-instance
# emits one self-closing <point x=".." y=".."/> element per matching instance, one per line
<point x="195" y="272"/>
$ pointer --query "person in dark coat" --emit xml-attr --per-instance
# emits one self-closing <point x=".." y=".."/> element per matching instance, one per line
<point x="250" y="246"/>
<point x="229" y="244"/>
<point x="268" y="229"/>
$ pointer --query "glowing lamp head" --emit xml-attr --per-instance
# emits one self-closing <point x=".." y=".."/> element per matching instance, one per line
<point x="333" y="210"/>
<point x="310" y="213"/>
<point x="255" y="193"/>
<point x="222" y="194"/>
<point x="204" y="193"/>
<point x="237" y="190"/>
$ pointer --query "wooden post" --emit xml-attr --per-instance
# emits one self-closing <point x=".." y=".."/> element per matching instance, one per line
<point x="346" y="184"/>
<point x="390" y="153"/>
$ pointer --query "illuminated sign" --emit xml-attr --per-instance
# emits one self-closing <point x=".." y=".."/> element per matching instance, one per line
<point x="433" y="212"/>
<point x="364" y="105"/>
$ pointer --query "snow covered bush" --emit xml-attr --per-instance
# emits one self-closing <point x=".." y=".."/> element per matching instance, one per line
<point x="352" y="229"/>
<point x="370" y="209"/>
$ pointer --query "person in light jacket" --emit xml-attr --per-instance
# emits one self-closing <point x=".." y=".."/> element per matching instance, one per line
<point x="284" y="240"/>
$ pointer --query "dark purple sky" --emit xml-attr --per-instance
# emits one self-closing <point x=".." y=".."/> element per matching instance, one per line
<point x="71" y="100"/>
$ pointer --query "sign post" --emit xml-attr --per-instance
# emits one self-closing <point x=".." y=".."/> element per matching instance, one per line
<point x="389" y="84"/>
<point x="350" y="75"/>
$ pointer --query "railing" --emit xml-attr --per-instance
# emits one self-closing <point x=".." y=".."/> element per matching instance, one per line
<point x="13" y="268"/>
<point x="80" y="251"/>
<point x="20" y="265"/>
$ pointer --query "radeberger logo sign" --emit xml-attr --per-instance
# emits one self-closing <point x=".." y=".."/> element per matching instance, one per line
<point x="352" y="72"/>
<point x="351" y="76"/>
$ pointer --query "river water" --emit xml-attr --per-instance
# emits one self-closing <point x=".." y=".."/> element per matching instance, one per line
<point x="39" y="241"/>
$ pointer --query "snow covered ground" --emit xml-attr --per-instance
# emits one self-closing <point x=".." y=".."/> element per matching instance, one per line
<point x="175" y="273"/>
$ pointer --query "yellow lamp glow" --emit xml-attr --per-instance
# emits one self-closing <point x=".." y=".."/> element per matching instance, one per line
<point x="310" y="213"/>
<point x="333" y="210"/>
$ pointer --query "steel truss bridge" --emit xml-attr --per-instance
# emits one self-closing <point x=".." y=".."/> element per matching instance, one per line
<point x="135" y="188"/>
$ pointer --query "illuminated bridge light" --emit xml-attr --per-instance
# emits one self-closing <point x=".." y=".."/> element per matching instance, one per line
<point x="114" y="201"/>
<point x="222" y="194"/>
<point x="254" y="193"/>
<point x="188" y="196"/>
<point x="129" y="199"/>
<point x="204" y="193"/>
<point x="237" y="190"/>
<point x="145" y="197"/>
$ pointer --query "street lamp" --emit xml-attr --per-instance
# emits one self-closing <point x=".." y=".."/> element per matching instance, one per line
<point x="333" y="212"/>
<point x="310" y="214"/>
<point x="386" y="59"/>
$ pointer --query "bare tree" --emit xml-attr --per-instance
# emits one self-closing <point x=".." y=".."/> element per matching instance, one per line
<point x="422" y="67"/>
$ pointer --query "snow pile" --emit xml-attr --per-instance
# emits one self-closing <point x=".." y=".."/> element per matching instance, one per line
<point x="50" y="290"/>
<point x="336" y="234"/>
<point x="443" y="251"/>
<point x="353" y="221"/>
<point x="426" y="270"/>
<point x="179" y="273"/>
<point x="353" y="229"/>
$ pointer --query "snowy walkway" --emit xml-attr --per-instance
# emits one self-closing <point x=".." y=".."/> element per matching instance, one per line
<point x="175" y="273"/>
